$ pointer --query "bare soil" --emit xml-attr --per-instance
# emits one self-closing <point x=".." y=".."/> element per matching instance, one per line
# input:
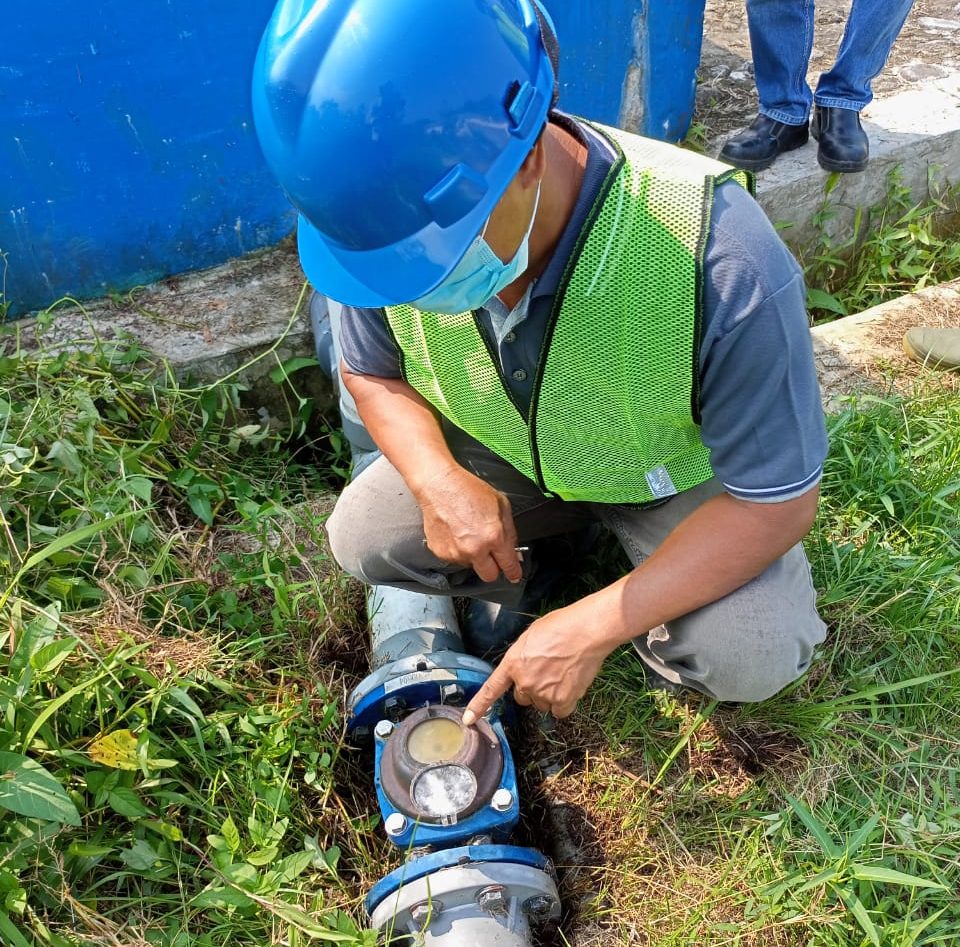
<point x="928" y="47"/>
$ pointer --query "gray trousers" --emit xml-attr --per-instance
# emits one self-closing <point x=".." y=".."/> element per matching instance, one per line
<point x="744" y="647"/>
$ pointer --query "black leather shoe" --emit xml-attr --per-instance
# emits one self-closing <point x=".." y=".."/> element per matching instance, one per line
<point x="844" y="145"/>
<point x="758" y="146"/>
<point x="489" y="629"/>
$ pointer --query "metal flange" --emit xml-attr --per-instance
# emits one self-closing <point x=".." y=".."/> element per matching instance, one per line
<point x="476" y="904"/>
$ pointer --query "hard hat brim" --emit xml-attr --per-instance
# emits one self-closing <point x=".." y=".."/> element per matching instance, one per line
<point x="399" y="273"/>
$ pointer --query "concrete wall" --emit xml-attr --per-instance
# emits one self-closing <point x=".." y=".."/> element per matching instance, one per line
<point x="630" y="63"/>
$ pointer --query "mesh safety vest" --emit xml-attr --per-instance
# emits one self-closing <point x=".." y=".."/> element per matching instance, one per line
<point x="614" y="416"/>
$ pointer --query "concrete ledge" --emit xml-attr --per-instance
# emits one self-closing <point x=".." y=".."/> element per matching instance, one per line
<point x="918" y="130"/>
<point x="206" y="325"/>
<point x="865" y="352"/>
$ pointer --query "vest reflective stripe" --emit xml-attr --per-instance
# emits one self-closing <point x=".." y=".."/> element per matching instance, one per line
<point x="614" y="411"/>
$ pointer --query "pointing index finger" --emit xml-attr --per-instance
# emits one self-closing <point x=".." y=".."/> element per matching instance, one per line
<point x="495" y="686"/>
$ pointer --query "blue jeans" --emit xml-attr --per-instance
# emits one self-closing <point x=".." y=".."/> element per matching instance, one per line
<point x="781" y="37"/>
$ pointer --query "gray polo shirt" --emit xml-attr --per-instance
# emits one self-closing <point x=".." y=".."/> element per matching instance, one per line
<point x="760" y="401"/>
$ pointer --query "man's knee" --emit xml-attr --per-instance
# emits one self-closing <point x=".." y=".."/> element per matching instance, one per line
<point x="751" y="674"/>
<point x="343" y="539"/>
<point x="751" y="683"/>
<point x="742" y="661"/>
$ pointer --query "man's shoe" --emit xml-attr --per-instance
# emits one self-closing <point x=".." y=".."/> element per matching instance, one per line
<point x="844" y="145"/>
<point x="935" y="348"/>
<point x="757" y="146"/>
<point x="489" y="629"/>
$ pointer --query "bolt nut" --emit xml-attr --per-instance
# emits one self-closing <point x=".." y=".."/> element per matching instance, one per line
<point x="383" y="729"/>
<point x="393" y="708"/>
<point x="491" y="899"/>
<point x="359" y="735"/>
<point x="502" y="800"/>
<point x="453" y="695"/>
<point x="396" y="824"/>
<point x="540" y="906"/>
<point x="425" y="911"/>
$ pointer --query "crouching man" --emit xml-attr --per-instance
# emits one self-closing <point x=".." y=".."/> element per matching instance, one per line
<point x="547" y="325"/>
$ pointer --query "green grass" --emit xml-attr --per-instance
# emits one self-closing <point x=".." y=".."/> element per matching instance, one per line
<point x="898" y="246"/>
<point x="829" y="815"/>
<point x="175" y="647"/>
<point x="171" y="745"/>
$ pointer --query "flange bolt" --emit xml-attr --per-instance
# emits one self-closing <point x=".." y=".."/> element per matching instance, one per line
<point x="425" y="911"/>
<point x="453" y="695"/>
<point x="540" y="906"/>
<point x="491" y="899"/>
<point x="383" y="729"/>
<point x="396" y="824"/>
<point x="393" y="708"/>
<point x="502" y="800"/>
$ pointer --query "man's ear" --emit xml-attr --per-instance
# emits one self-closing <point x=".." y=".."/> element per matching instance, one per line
<point x="535" y="164"/>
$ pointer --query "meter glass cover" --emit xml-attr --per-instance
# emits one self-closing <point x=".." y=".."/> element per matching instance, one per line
<point x="444" y="791"/>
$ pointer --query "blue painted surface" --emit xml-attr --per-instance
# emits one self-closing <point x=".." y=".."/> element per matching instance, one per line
<point x="127" y="149"/>
<point x="601" y="39"/>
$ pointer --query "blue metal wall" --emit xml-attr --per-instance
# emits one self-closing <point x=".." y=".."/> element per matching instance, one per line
<point x="630" y="62"/>
<point x="127" y="148"/>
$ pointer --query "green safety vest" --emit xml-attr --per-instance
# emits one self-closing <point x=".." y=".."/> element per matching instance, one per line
<point x="614" y="416"/>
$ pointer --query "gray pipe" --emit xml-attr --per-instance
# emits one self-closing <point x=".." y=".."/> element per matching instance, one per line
<point x="403" y="624"/>
<point x="469" y="906"/>
<point x="470" y="926"/>
<point x="475" y="905"/>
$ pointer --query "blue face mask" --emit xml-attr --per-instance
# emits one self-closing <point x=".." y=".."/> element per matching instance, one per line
<point x="479" y="276"/>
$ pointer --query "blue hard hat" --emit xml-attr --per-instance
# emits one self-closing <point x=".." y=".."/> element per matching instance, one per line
<point x="394" y="128"/>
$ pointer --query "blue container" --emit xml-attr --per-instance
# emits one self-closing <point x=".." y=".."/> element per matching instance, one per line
<point x="629" y="63"/>
<point x="127" y="150"/>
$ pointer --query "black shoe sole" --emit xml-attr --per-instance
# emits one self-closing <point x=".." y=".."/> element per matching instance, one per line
<point x="759" y="164"/>
<point x="844" y="167"/>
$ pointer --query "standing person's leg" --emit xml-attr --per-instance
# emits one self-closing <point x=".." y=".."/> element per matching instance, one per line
<point x="872" y="28"/>
<point x="781" y="38"/>
<point x="744" y="647"/>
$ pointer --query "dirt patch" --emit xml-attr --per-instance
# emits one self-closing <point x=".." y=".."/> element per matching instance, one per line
<point x="626" y="868"/>
<point x="866" y="351"/>
<point x="928" y="47"/>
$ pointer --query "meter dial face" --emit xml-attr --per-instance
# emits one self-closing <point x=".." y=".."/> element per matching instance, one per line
<point x="436" y="740"/>
<point x="444" y="791"/>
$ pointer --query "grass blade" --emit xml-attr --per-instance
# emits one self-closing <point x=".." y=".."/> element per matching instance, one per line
<point x="829" y="846"/>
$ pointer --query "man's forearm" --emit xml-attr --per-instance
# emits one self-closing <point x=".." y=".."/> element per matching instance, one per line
<point x="465" y="520"/>
<point x="403" y="425"/>
<point x="721" y="546"/>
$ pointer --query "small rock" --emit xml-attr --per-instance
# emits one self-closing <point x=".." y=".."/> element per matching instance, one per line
<point x="935" y="23"/>
<point x="919" y="71"/>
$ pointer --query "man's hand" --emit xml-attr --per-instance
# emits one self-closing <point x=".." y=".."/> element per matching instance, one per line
<point x="468" y="522"/>
<point x="550" y="665"/>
